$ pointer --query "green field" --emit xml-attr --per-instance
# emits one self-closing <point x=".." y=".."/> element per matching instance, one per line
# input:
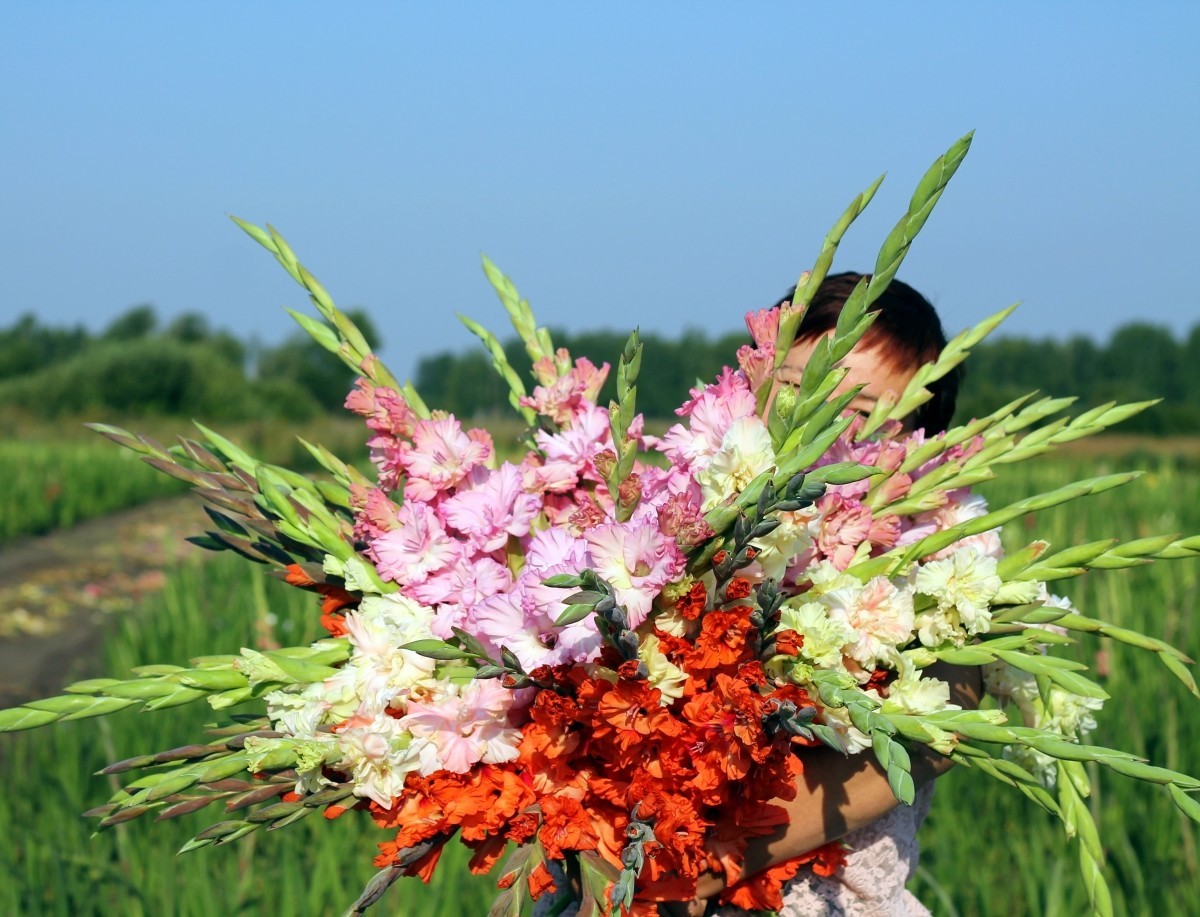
<point x="54" y="485"/>
<point x="56" y="476"/>
<point x="985" y="849"/>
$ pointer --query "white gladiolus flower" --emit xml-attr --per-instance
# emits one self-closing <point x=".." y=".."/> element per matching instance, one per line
<point x="1069" y="714"/>
<point x="379" y="754"/>
<point x="937" y="626"/>
<point x="670" y="621"/>
<point x="379" y="670"/>
<point x="967" y="582"/>
<point x="825" y="577"/>
<point x="852" y="739"/>
<point x="1011" y="685"/>
<point x="745" y="453"/>
<point x="311" y="755"/>
<point x="1018" y="592"/>
<point x="880" y="614"/>
<point x="1040" y="765"/>
<point x="299" y="713"/>
<point x="387" y="621"/>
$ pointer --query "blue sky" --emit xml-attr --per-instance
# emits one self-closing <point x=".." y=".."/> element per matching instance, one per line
<point x="662" y="164"/>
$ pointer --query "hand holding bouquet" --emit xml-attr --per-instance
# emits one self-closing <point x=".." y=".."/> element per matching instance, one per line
<point x="612" y="654"/>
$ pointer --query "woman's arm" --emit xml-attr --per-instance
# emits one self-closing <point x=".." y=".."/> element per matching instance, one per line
<point x="838" y="794"/>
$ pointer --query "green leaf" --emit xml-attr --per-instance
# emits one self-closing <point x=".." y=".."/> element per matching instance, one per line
<point x="1180" y="671"/>
<point x="598" y="876"/>
<point x="470" y="643"/>
<point x="573" y="613"/>
<point x="301" y="670"/>
<point x="437" y="649"/>
<point x="1187" y="804"/>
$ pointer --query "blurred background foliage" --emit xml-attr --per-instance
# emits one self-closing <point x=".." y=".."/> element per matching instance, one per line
<point x="141" y="367"/>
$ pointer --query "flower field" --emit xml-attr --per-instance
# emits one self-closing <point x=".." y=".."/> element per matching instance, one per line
<point x="1010" y="847"/>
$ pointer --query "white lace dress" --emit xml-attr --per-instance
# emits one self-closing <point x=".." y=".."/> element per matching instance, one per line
<point x="882" y="859"/>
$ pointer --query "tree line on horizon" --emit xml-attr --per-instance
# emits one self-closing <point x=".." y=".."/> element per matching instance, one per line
<point x="138" y="366"/>
<point x="1139" y="361"/>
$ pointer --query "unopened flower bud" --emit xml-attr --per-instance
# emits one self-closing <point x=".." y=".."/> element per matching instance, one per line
<point x="631" y="491"/>
<point x="605" y="462"/>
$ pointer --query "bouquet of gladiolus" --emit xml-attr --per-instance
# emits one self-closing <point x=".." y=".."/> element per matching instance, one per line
<point x="613" y="653"/>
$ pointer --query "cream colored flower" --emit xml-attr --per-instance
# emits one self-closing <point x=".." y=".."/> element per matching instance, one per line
<point x="745" y="453"/>
<point x="881" y="615"/>
<point x="916" y="694"/>
<point x="664" y="675"/>
<point x="965" y="581"/>
<point x="824" y="637"/>
<point x="794" y="535"/>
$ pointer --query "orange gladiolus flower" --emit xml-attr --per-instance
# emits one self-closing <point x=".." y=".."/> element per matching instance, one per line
<point x="565" y="826"/>
<point x="721" y="642"/>
<point x="540" y="882"/>
<point x="481" y="801"/>
<point x="629" y="712"/>
<point x="487" y="853"/>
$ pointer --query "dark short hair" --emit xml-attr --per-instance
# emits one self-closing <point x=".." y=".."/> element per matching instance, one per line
<point x="908" y="330"/>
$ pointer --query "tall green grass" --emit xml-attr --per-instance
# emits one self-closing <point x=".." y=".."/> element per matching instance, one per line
<point x="985" y="850"/>
<point x="54" y="485"/>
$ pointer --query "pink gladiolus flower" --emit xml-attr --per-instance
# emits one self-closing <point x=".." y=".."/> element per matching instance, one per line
<point x="550" y="552"/>
<point x="458" y="589"/>
<point x="846" y="523"/>
<point x="730" y="385"/>
<point x="385" y="408"/>
<point x="374" y="512"/>
<point x="389" y="415"/>
<point x="549" y="368"/>
<point x="492" y="509"/>
<point x="440" y="456"/>
<point x="587" y="515"/>
<point x="562" y="399"/>
<point x="763" y="325"/>
<point x="554" y="547"/>
<point x="680" y="518"/>
<point x="501" y="621"/>
<point x="637" y="560"/>
<point x="540" y="476"/>
<point x="465" y="728"/>
<point x="579" y="445"/>
<point x="881" y="614"/>
<point x="420" y="546"/>
<point x="713" y="411"/>
<point x="758" y="363"/>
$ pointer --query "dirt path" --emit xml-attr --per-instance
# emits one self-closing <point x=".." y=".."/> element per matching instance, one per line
<point x="58" y="591"/>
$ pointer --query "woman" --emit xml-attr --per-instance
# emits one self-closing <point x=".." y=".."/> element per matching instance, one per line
<point x="849" y="797"/>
